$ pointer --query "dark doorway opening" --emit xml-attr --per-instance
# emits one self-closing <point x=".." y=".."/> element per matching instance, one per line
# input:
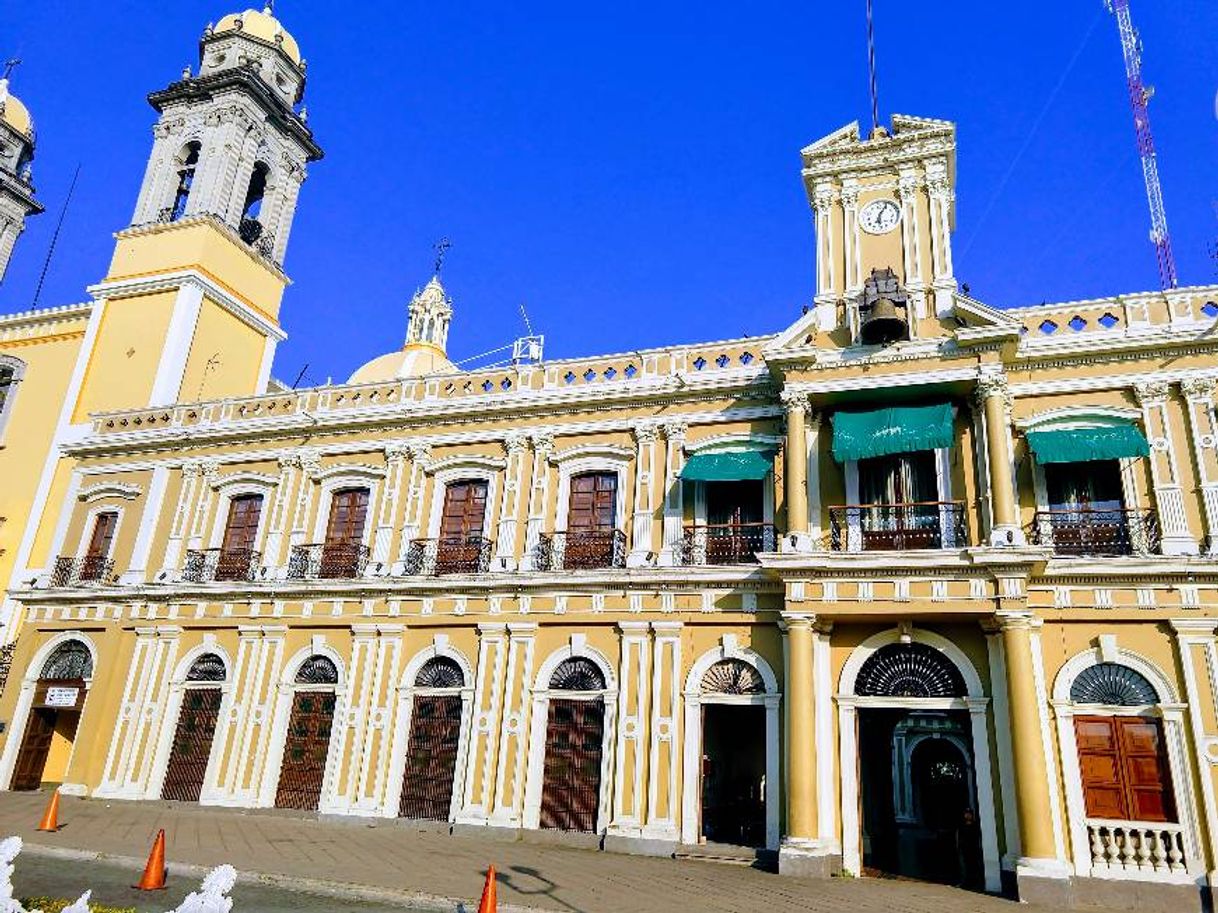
<point x="918" y="796"/>
<point x="192" y="741"/>
<point x="50" y="733"/>
<point x="305" y="750"/>
<point x="733" y="774"/>
<point x="431" y="757"/>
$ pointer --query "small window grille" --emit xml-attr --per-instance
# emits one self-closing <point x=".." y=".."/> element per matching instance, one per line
<point x="317" y="670"/>
<point x="1108" y="321"/>
<point x="71" y="659"/>
<point x="732" y="676"/>
<point x="699" y="363"/>
<point x="630" y="371"/>
<point x="746" y="358"/>
<point x="722" y="361"/>
<point x="1112" y="685"/>
<point x="578" y="674"/>
<point x="589" y="375"/>
<point x="1077" y="323"/>
<point x="610" y="373"/>
<point x="569" y="377"/>
<point x="909" y="670"/>
<point x="440" y="672"/>
<point x="1048" y="327"/>
<point x="487" y="386"/>
<point x="207" y="668"/>
<point x="1209" y="309"/>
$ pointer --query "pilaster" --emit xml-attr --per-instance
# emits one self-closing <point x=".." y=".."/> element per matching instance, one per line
<point x="1197" y="651"/>
<point x="509" y="511"/>
<point x="994" y="398"/>
<point x="1176" y="539"/>
<point x="634" y="677"/>
<point x="1203" y="429"/>
<point x="412" y="519"/>
<point x="644" y="493"/>
<point x="674" y="492"/>
<point x="488" y="702"/>
<point x="663" y="755"/>
<point x="388" y="509"/>
<point x="514" y="729"/>
<point x="539" y="495"/>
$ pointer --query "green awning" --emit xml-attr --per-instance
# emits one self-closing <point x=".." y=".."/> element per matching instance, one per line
<point x="1078" y="445"/>
<point x="728" y="466"/>
<point x="897" y="429"/>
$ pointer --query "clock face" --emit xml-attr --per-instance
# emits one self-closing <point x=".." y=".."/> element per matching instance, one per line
<point x="879" y="216"/>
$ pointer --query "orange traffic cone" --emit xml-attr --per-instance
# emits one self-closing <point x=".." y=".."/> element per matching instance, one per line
<point x="154" y="871"/>
<point x="50" y="818"/>
<point x="487" y="904"/>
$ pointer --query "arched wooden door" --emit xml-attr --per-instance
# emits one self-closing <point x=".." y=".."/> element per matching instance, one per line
<point x="575" y="733"/>
<point x="196" y="730"/>
<point x="307" y="744"/>
<point x="435" y="737"/>
<point x="50" y="729"/>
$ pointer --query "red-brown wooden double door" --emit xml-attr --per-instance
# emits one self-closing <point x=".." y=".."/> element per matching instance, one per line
<point x="240" y="535"/>
<point x="462" y="527"/>
<point x="305" y="750"/>
<point x="192" y="740"/>
<point x="571" y="785"/>
<point x="1123" y="762"/>
<point x="431" y="757"/>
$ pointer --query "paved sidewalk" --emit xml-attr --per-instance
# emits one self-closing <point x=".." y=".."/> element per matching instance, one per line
<point x="434" y="870"/>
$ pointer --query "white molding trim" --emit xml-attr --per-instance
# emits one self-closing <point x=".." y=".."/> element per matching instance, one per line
<point x="567" y="469"/>
<point x="349" y="472"/>
<point x="109" y="490"/>
<point x="734" y="441"/>
<point x="1081" y="416"/>
<point x="459" y="472"/>
<point x="264" y="482"/>
<point x="606" y="453"/>
<point x="466" y="461"/>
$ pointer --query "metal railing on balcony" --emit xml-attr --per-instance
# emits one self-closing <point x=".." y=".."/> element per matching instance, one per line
<point x="217" y="564"/>
<point x="726" y="543"/>
<point x="457" y="555"/>
<point x="581" y="550"/>
<point x="86" y="571"/>
<point x="1090" y="532"/>
<point x="328" y="561"/>
<point x="897" y="527"/>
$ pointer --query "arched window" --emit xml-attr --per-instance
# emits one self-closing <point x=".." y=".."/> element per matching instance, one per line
<point x="11" y="372"/>
<point x="732" y="676"/>
<point x="1112" y="685"/>
<point x="578" y="674"/>
<point x="207" y="668"/>
<point x="70" y="660"/>
<point x="188" y="159"/>
<point x="252" y="208"/>
<point x="317" y="670"/>
<point x="909" y="670"/>
<point x="440" y="672"/>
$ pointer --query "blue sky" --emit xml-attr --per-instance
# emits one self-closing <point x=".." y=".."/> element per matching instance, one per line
<point x="630" y="171"/>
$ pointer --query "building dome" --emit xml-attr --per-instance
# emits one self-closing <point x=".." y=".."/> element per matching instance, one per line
<point x="426" y="337"/>
<point x="14" y="113"/>
<point x="263" y="26"/>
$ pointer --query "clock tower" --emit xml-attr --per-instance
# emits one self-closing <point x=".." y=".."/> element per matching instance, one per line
<point x="885" y="210"/>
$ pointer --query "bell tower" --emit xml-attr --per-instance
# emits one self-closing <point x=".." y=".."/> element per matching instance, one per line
<point x="189" y="308"/>
<point x="884" y="210"/>
<point x="17" y="201"/>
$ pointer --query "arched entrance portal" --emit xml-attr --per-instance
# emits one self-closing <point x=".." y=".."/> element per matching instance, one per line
<point x="575" y="736"/>
<point x="196" y="729"/>
<point x="435" y="737"/>
<point x="307" y="744"/>
<point x="50" y="729"/>
<point x="914" y="730"/>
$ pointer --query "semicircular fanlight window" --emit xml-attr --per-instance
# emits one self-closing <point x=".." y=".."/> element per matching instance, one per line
<point x="440" y="672"/>
<point x="578" y="674"/>
<point x="732" y="676"/>
<point x="207" y="668"/>
<point x="71" y="659"/>
<point x="1113" y="685"/>
<point x="909" y="670"/>
<point x="317" y="670"/>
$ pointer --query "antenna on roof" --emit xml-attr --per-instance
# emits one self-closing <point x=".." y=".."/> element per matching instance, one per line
<point x="441" y="248"/>
<point x="46" y="265"/>
<point x="875" y="91"/>
<point x="527" y="349"/>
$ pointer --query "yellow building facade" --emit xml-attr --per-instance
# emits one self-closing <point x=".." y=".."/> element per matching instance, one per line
<point x="915" y="586"/>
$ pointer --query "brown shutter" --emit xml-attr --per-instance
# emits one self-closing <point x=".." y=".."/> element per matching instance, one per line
<point x="348" y="512"/>
<point x="103" y="535"/>
<point x="1099" y="764"/>
<point x="1146" y="775"/>
<point x="593" y="502"/>
<point x="241" y="528"/>
<point x="464" y="509"/>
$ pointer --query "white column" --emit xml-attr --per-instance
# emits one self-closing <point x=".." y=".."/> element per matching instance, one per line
<point x="822" y="696"/>
<point x="674" y="497"/>
<point x="154" y="498"/>
<point x="309" y="464"/>
<point x="1203" y="429"/>
<point x="395" y="458"/>
<point x="634" y="678"/>
<point x="167" y="384"/>
<point x="208" y="471"/>
<point x="1176" y="539"/>
<point x="941" y="198"/>
<point x="539" y="495"/>
<point x="664" y="755"/>
<point x="644" y="489"/>
<point x="509" y="510"/>
<point x="420" y="455"/>
<point x="289" y="466"/>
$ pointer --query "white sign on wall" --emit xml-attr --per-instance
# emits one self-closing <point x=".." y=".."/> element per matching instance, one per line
<point x="62" y="697"/>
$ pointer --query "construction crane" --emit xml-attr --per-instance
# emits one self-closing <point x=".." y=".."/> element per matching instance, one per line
<point x="1139" y="97"/>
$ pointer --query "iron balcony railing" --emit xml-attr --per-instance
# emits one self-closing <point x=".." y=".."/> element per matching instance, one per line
<point x="1093" y="532"/>
<point x="216" y="564"/>
<point x="726" y="543"/>
<point x="90" y="569"/>
<point x="254" y="234"/>
<point x="328" y="561"/>
<point x="579" y="550"/>
<point x="454" y="555"/>
<point x="897" y="527"/>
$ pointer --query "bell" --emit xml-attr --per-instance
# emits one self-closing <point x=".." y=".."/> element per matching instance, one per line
<point x="885" y="323"/>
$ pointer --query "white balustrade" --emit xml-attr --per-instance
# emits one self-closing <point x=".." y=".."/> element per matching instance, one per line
<point x="1136" y="849"/>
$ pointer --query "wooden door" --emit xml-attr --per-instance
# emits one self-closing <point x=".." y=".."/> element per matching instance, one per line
<point x="305" y="750"/>
<point x="431" y="757"/>
<point x="100" y="541"/>
<point x="461" y="527"/>
<point x="1086" y="503"/>
<point x="734" y="513"/>
<point x="192" y="744"/>
<point x="1123" y="764"/>
<point x="591" y="516"/>
<point x="571" y="786"/>
<point x="898" y="495"/>
<point x="240" y="536"/>
<point x="344" y="533"/>
<point x="27" y="774"/>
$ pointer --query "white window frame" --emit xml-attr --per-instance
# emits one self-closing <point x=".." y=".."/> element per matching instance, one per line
<point x="733" y="442"/>
<point x="90" y="522"/>
<point x="459" y="472"/>
<point x="943" y="488"/>
<point x="606" y="461"/>
<point x="236" y="486"/>
<point x="14" y="388"/>
<point x="341" y="477"/>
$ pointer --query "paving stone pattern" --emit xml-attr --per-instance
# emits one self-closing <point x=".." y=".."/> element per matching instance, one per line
<point x="398" y="858"/>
